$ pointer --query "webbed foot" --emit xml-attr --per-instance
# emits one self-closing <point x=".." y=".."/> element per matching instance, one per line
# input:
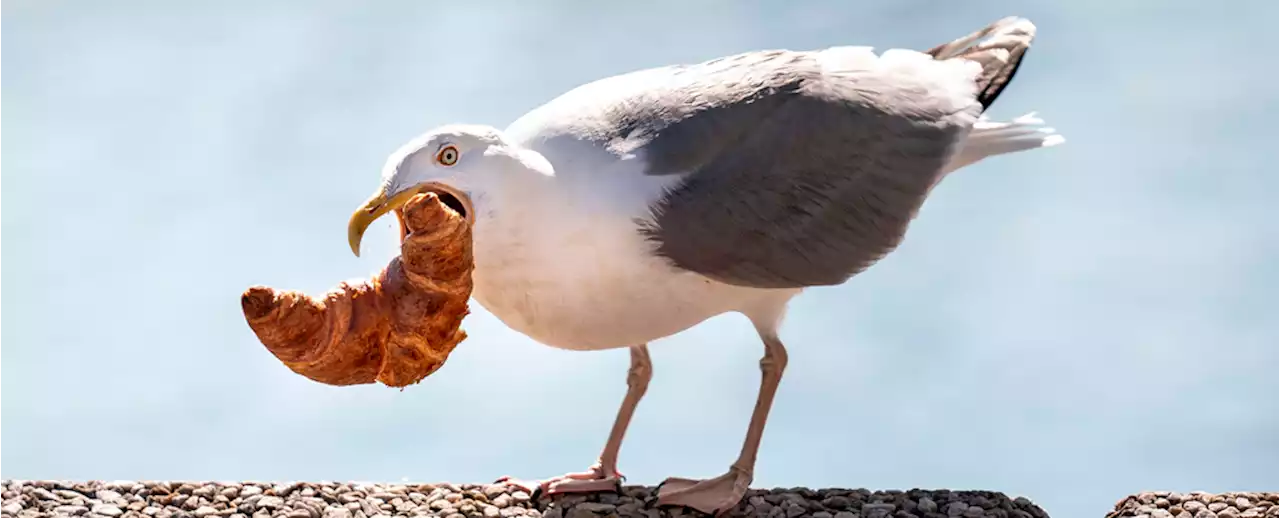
<point x="712" y="496"/>
<point x="593" y="480"/>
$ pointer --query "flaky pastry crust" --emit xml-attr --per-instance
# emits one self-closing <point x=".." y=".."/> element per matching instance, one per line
<point x="396" y="328"/>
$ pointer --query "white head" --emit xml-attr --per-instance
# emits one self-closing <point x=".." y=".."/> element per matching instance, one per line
<point x="466" y="165"/>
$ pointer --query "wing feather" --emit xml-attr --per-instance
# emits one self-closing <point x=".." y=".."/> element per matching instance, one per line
<point x="797" y="168"/>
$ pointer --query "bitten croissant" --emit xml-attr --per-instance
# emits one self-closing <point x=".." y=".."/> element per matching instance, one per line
<point x="396" y="328"/>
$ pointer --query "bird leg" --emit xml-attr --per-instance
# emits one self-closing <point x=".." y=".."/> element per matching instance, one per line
<point x="723" y="493"/>
<point x="603" y="475"/>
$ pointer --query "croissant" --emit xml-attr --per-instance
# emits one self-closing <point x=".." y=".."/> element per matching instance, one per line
<point x="396" y="328"/>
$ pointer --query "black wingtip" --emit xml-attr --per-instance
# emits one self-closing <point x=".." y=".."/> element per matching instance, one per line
<point x="992" y="87"/>
<point x="999" y="48"/>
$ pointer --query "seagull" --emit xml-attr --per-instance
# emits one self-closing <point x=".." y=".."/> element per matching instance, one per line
<point x="634" y="207"/>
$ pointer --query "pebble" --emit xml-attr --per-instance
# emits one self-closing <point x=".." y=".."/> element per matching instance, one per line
<point x="107" y="510"/>
<point x="1163" y="504"/>
<point x="270" y="502"/>
<point x="71" y="510"/>
<point x="126" y="499"/>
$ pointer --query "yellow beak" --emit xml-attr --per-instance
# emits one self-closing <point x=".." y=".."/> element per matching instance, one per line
<point x="377" y="205"/>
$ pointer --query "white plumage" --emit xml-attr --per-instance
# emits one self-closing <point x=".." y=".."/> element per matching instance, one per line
<point x="634" y="207"/>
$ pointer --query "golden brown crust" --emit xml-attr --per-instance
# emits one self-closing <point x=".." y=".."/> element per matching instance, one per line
<point x="397" y="328"/>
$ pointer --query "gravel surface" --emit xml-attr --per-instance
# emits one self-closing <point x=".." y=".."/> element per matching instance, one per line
<point x="29" y="499"/>
<point x="1163" y="504"/>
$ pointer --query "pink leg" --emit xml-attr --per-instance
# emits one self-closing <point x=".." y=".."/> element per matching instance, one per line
<point x="723" y="493"/>
<point x="603" y="476"/>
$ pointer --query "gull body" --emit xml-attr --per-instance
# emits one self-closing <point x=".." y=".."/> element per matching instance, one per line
<point x="634" y="207"/>
<point x="561" y="262"/>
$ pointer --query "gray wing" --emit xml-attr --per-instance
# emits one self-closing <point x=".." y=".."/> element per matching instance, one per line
<point x="801" y="168"/>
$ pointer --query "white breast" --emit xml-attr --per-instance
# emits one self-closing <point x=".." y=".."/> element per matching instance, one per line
<point x="566" y="267"/>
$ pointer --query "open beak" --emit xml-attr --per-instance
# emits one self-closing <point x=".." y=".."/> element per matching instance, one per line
<point x="380" y="204"/>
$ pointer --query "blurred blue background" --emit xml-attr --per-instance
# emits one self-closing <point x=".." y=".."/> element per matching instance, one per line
<point x="1071" y="324"/>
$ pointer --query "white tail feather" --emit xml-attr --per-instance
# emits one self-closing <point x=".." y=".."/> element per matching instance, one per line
<point x="989" y="138"/>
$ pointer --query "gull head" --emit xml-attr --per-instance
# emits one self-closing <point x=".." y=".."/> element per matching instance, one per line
<point x="465" y="165"/>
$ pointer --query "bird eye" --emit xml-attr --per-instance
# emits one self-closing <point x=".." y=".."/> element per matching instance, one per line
<point x="447" y="156"/>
